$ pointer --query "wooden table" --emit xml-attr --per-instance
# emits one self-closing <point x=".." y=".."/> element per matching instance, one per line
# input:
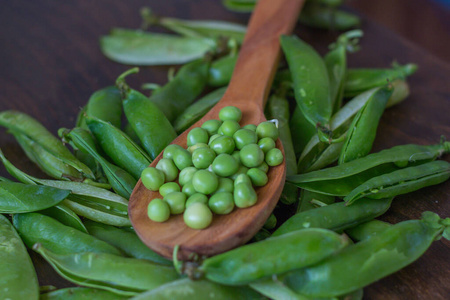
<point x="50" y="63"/>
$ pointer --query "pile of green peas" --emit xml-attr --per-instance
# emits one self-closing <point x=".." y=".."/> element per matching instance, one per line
<point x="219" y="170"/>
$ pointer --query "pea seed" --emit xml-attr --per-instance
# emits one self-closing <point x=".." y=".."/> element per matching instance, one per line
<point x="212" y="126"/>
<point x="267" y="129"/>
<point x="225" y="185"/>
<point x="152" y="178"/>
<point x="244" y="195"/>
<point x="212" y="138"/>
<point x="266" y="144"/>
<point x="264" y="167"/>
<point x="230" y="113"/>
<point x="225" y="165"/>
<point x="197" y="216"/>
<point x="274" y="157"/>
<point x="158" y="210"/>
<point x="223" y="144"/>
<point x="243" y="178"/>
<point x="251" y="127"/>
<point x="251" y="155"/>
<point x="203" y="157"/>
<point x="182" y="159"/>
<point x="205" y="182"/>
<point x="257" y="176"/>
<point x="229" y="127"/>
<point x="169" y="151"/>
<point x="167" y="166"/>
<point x="221" y="203"/>
<point x="197" y="135"/>
<point x="197" y="146"/>
<point x="236" y="156"/>
<point x="168" y="188"/>
<point x="186" y="175"/>
<point x="189" y="189"/>
<point x="176" y="202"/>
<point x="244" y="137"/>
<point x="197" y="197"/>
<point x="242" y="170"/>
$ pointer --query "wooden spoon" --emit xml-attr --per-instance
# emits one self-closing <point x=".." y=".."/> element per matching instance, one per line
<point x="248" y="90"/>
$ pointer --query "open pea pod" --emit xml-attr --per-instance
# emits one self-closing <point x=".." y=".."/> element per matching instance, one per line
<point x="18" y="278"/>
<point x="21" y="198"/>
<point x="25" y="125"/>
<point x="79" y="293"/>
<point x="342" y="179"/>
<point x="120" y="275"/>
<point x="402" y="181"/>
<point x="137" y="47"/>
<point x="365" y="262"/>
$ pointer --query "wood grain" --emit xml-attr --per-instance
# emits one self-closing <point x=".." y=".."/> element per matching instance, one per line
<point x="51" y="63"/>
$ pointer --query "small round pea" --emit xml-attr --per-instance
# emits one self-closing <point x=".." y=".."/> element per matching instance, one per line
<point x="267" y="129"/>
<point x="170" y="150"/>
<point x="158" y="210"/>
<point x="205" y="182"/>
<point x="236" y="156"/>
<point x="244" y="137"/>
<point x="251" y="155"/>
<point x="230" y="113"/>
<point x="213" y="137"/>
<point x="168" y="188"/>
<point x="251" y="127"/>
<point x="189" y="189"/>
<point x="203" y="157"/>
<point x="258" y="177"/>
<point x="176" y="202"/>
<point x="223" y="144"/>
<point x="197" y="197"/>
<point x="266" y="144"/>
<point x="242" y="170"/>
<point x="197" y="216"/>
<point x="229" y="127"/>
<point x="197" y="146"/>
<point x="244" y="195"/>
<point x="197" y="135"/>
<point x="221" y="203"/>
<point x="182" y="158"/>
<point x="274" y="157"/>
<point x="225" y="165"/>
<point x="225" y="185"/>
<point x="242" y="178"/>
<point x="152" y="178"/>
<point x="167" y="166"/>
<point x="263" y="167"/>
<point x="186" y="175"/>
<point x="212" y="126"/>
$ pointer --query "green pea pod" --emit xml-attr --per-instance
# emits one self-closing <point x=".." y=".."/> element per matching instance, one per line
<point x="18" y="277"/>
<point x="187" y="289"/>
<point x="342" y="179"/>
<point x="360" y="80"/>
<point x="367" y="230"/>
<point x="240" y="5"/>
<point x="326" y="17"/>
<point x="276" y="291"/>
<point x="367" y="261"/>
<point x="402" y="181"/>
<point x="121" y="181"/>
<point x="136" y="47"/>
<point x="302" y="130"/>
<point x="272" y="256"/>
<point x="198" y="109"/>
<point x="65" y="216"/>
<point x="311" y="82"/>
<point x="221" y="70"/>
<point x="125" y="240"/>
<point x="119" y="147"/>
<point x="106" y="105"/>
<point x="400" y="93"/>
<point x="79" y="293"/>
<point x="120" y="275"/>
<point x="21" y="198"/>
<point x="310" y="200"/>
<point x="26" y="125"/>
<point x="363" y="129"/>
<point x="336" y="216"/>
<point x="36" y="228"/>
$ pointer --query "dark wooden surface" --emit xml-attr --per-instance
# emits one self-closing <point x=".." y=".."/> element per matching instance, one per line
<point x="50" y="63"/>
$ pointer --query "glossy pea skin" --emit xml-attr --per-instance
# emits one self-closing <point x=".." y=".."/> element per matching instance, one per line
<point x="158" y="210"/>
<point x="213" y="137"/>
<point x="221" y="203"/>
<point x="230" y="113"/>
<point x="106" y="105"/>
<point x="229" y="127"/>
<point x="186" y="175"/>
<point x="267" y="129"/>
<point x="170" y="150"/>
<point x="189" y="189"/>
<point x="263" y="167"/>
<point x="251" y="155"/>
<point x="242" y="178"/>
<point x="223" y="144"/>
<point x="266" y="144"/>
<point x="205" y="182"/>
<point x="274" y="157"/>
<point x="176" y="202"/>
<point x="244" y="195"/>
<point x="225" y="185"/>
<point x="257" y="176"/>
<point x="212" y="126"/>
<point x="197" y="197"/>
<point x="225" y="165"/>
<point x="202" y="158"/>
<point x="221" y="70"/>
<point x="182" y="158"/>
<point x="251" y="127"/>
<point x="168" y="167"/>
<point x="197" y="135"/>
<point x="197" y="216"/>
<point x="169" y="187"/>
<point x="152" y="178"/>
<point x="244" y="137"/>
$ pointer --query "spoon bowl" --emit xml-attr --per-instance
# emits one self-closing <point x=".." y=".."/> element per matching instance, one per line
<point x="248" y="90"/>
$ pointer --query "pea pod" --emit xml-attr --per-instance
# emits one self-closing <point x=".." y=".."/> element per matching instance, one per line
<point x="308" y="200"/>
<point x="37" y="228"/>
<point x="342" y="179"/>
<point x="366" y="230"/>
<point x="240" y="5"/>
<point x="106" y="105"/>
<point x="272" y="256"/>
<point x="361" y="134"/>
<point x="20" y="198"/>
<point x="120" y="275"/>
<point x="336" y="216"/>
<point x="79" y="293"/>
<point x="119" y="147"/>
<point x="18" y="277"/>
<point x="326" y="17"/>
<point x="136" y="47"/>
<point x="125" y="240"/>
<point x="25" y="125"/>
<point x="302" y="131"/>
<point x="187" y="289"/>
<point x="65" y="216"/>
<point x="221" y="70"/>
<point x="402" y="181"/>
<point x="367" y="261"/>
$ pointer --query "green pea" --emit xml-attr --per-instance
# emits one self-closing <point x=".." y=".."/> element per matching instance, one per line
<point x="251" y="127"/>
<point x="205" y="182"/>
<point x="244" y="195"/>
<point x="167" y="166"/>
<point x="243" y="178"/>
<point x="223" y="144"/>
<point x="169" y="151"/>
<point x="230" y="113"/>
<point x="152" y="178"/>
<point x="176" y="202"/>
<point x="221" y="203"/>
<point x="225" y="185"/>
<point x="274" y="157"/>
<point x="197" y="197"/>
<point x="186" y="175"/>
<point x="267" y="129"/>
<point x="197" y="216"/>
<point x="158" y="210"/>
<point x="189" y="189"/>
<point x="229" y="127"/>
<point x="266" y="144"/>
<point x="203" y="157"/>
<point x="212" y="126"/>
<point x="197" y="146"/>
<point x="168" y="188"/>
<point x="197" y="135"/>
<point x="236" y="156"/>
<point x="182" y="159"/>
<point x="257" y="176"/>
<point x="251" y="155"/>
<point x="244" y="137"/>
<point x="242" y="170"/>
<point x="263" y="167"/>
<point x="225" y="165"/>
<point x="213" y="137"/>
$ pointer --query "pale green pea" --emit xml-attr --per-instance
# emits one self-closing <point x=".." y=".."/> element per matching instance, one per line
<point x="197" y="135"/>
<point x="251" y="155"/>
<point x="242" y="170"/>
<point x="266" y="144"/>
<point x="169" y="151"/>
<point x="243" y="178"/>
<point x="205" y="182"/>
<point x="176" y="202"/>
<point x="244" y="137"/>
<point x="189" y="189"/>
<point x="257" y="176"/>
<point x="229" y="127"/>
<point x="182" y="158"/>
<point x="197" y="146"/>
<point x="251" y="127"/>
<point x="212" y="126"/>
<point x="221" y="203"/>
<point x="152" y="178"/>
<point x="264" y="167"/>
<point x="167" y="166"/>
<point x="223" y="144"/>
<point x="244" y="195"/>
<point x="158" y="210"/>
<point x="267" y="129"/>
<point x="202" y="158"/>
<point x="197" y="197"/>
<point x="225" y="165"/>
<point x="225" y="185"/>
<point x="197" y="216"/>
<point x="213" y="137"/>
<point x="186" y="175"/>
<point x="168" y="188"/>
<point x="230" y="113"/>
<point x="274" y="157"/>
